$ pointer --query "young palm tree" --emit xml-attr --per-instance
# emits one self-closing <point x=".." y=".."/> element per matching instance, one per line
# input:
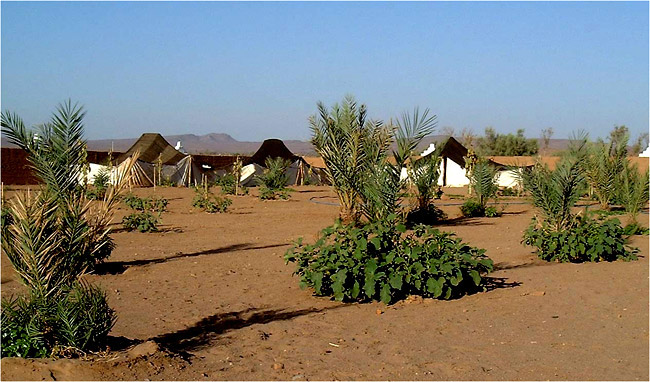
<point x="355" y="151"/>
<point x="554" y="193"/>
<point x="484" y="182"/>
<point x="603" y="167"/>
<point x="56" y="235"/>
<point x="634" y="191"/>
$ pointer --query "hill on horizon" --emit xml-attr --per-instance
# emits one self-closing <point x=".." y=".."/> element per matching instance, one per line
<point x="222" y="143"/>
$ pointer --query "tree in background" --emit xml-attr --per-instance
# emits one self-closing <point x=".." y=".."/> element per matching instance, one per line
<point x="493" y="143"/>
<point x="640" y="144"/>
<point x="546" y="138"/>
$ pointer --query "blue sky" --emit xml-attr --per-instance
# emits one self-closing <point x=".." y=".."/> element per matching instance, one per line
<point x="256" y="70"/>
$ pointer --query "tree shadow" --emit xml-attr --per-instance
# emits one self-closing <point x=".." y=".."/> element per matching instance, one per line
<point x="118" y="267"/>
<point x="492" y="283"/>
<point x="463" y="221"/>
<point x="504" y="265"/>
<point x="207" y="331"/>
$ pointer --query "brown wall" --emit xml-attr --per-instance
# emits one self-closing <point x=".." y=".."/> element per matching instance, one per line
<point x="15" y="168"/>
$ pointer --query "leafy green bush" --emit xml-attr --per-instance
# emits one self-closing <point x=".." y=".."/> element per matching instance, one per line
<point x="100" y="185"/>
<point x="508" y="191"/>
<point x="583" y="239"/>
<point x="143" y="221"/>
<point x="273" y="194"/>
<point x="472" y="208"/>
<point x="208" y="202"/>
<point x="228" y="183"/>
<point x="152" y="204"/>
<point x="38" y="327"/>
<point x="274" y="179"/>
<point x="380" y="261"/>
<point x="492" y="212"/>
<point x="635" y="228"/>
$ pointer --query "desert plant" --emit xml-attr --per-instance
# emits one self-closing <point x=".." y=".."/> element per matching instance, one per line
<point x="152" y="204"/>
<point x="227" y="183"/>
<point x="472" y="208"/>
<point x="143" y="221"/>
<point x="484" y="182"/>
<point x="424" y="174"/>
<point x="583" y="239"/>
<point x="633" y="191"/>
<point x="56" y="235"/>
<point x="603" y="166"/>
<point x="274" y="179"/>
<point x="100" y="184"/>
<point x="379" y="261"/>
<point x="208" y="202"/>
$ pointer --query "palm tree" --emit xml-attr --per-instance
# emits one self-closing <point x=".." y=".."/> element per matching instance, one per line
<point x="483" y="181"/>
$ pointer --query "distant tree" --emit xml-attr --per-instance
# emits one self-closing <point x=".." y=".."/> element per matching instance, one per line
<point x="448" y="131"/>
<point x="640" y="144"/>
<point x="493" y="143"/>
<point x="546" y="137"/>
<point x="618" y="134"/>
<point x="467" y="137"/>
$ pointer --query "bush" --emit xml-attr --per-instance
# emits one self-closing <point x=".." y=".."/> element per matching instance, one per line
<point x="635" y="229"/>
<point x="584" y="239"/>
<point x="208" y="202"/>
<point x="151" y="204"/>
<point x="273" y="194"/>
<point x="508" y="191"/>
<point x="143" y="221"/>
<point x="471" y="208"/>
<point x="379" y="261"/>
<point x="492" y="212"/>
<point x="228" y="183"/>
<point x="79" y="318"/>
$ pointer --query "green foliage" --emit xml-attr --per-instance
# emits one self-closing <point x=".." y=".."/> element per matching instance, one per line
<point x="506" y="144"/>
<point x="603" y="166"/>
<point x="150" y="204"/>
<point x="483" y="180"/>
<point x="582" y="239"/>
<point x="79" y="318"/>
<point x="100" y="185"/>
<point x="554" y="193"/>
<point x="228" y="183"/>
<point x="53" y="237"/>
<point x="508" y="191"/>
<point x="492" y="212"/>
<point x="633" y="190"/>
<point x="472" y="208"/>
<point x="143" y="221"/>
<point x="208" y="202"/>
<point x="424" y="174"/>
<point x="635" y="228"/>
<point x="380" y="261"/>
<point x="274" y="179"/>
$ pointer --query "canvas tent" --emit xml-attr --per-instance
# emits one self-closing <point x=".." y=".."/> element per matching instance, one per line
<point x="275" y="148"/>
<point x="452" y="166"/>
<point x="155" y="151"/>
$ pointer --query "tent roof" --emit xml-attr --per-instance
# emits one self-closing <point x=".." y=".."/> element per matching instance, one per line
<point x="455" y="151"/>
<point x="151" y="147"/>
<point x="272" y="148"/>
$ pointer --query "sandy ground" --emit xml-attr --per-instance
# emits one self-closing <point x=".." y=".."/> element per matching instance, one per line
<point x="210" y="298"/>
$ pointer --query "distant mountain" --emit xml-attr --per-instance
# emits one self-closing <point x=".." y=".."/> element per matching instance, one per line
<point x="220" y="143"/>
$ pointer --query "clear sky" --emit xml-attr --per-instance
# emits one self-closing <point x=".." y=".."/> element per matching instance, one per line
<point x="256" y="70"/>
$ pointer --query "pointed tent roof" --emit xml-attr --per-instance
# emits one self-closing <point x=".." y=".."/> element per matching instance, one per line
<point x="455" y="151"/>
<point x="272" y="148"/>
<point x="152" y="146"/>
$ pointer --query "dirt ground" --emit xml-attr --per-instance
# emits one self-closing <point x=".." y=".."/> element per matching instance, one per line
<point x="211" y="298"/>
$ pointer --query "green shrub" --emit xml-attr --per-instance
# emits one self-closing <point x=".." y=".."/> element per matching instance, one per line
<point x="208" y="202"/>
<point x="508" y="191"/>
<point x="143" y="221"/>
<point x="583" y="239"/>
<point x="151" y="204"/>
<point x="492" y="212"/>
<point x="380" y="261"/>
<point x="472" y="208"/>
<point x="228" y="183"/>
<point x="635" y="228"/>
<point x="77" y="319"/>
<point x="273" y="194"/>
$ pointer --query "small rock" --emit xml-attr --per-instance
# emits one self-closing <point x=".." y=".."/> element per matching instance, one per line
<point x="145" y="348"/>
<point x="465" y="311"/>
<point x="620" y="316"/>
<point x="414" y="299"/>
<point x="538" y="293"/>
<point x="379" y="312"/>
<point x="297" y="377"/>
<point x="278" y="366"/>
